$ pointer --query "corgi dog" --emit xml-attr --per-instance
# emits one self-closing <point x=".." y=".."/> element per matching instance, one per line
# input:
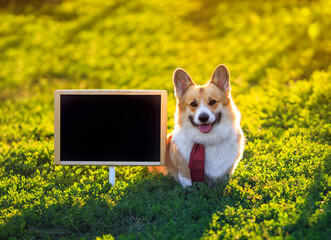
<point x="205" y="115"/>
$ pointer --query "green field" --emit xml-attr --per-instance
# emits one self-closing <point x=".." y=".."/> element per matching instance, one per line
<point x="279" y="57"/>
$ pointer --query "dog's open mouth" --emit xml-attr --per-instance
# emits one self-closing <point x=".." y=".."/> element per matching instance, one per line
<point x="206" y="128"/>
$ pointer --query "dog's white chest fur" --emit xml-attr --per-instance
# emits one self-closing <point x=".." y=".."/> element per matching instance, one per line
<point x="219" y="158"/>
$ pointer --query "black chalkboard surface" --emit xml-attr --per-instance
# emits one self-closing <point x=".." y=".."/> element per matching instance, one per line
<point x="110" y="127"/>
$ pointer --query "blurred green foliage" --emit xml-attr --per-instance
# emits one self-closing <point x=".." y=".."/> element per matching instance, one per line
<point x="279" y="55"/>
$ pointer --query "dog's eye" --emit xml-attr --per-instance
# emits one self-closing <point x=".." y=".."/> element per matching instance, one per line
<point x="194" y="104"/>
<point x="212" y="102"/>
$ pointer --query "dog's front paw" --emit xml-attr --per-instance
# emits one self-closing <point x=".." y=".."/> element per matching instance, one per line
<point x="185" y="182"/>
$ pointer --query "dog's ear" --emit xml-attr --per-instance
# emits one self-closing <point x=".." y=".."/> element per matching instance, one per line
<point x="221" y="78"/>
<point x="182" y="81"/>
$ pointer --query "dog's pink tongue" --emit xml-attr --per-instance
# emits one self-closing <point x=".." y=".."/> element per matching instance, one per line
<point x="205" y="128"/>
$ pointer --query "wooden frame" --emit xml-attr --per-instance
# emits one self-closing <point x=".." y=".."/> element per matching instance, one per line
<point x="57" y="127"/>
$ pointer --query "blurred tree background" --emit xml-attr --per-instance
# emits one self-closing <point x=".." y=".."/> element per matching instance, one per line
<point x="278" y="54"/>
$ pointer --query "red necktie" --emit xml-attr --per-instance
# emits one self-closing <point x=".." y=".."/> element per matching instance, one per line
<point x="197" y="163"/>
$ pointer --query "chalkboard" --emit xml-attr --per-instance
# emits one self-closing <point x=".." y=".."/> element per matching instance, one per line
<point x="110" y="127"/>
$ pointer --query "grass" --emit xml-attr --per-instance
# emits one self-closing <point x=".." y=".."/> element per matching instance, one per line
<point x="279" y="55"/>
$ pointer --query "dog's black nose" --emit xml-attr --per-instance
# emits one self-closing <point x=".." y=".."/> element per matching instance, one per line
<point x="203" y="117"/>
